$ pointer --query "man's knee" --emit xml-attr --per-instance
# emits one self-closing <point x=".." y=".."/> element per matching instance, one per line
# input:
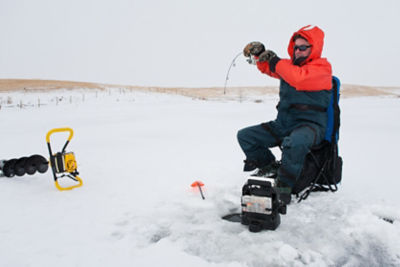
<point x="302" y="138"/>
<point x="243" y="136"/>
<point x="251" y="132"/>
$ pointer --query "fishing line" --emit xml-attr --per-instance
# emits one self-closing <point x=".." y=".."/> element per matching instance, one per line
<point x="250" y="60"/>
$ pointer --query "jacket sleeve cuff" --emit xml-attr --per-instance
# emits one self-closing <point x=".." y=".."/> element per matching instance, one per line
<point x="273" y="62"/>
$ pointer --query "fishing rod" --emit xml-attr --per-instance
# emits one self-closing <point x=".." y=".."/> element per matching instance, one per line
<point x="250" y="60"/>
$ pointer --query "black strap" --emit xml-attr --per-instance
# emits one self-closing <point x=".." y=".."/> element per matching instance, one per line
<point x="304" y="107"/>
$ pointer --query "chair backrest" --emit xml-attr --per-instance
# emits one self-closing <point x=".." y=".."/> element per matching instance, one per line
<point x="332" y="129"/>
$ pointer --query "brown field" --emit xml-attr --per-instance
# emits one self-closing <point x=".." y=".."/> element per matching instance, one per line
<point x="10" y="85"/>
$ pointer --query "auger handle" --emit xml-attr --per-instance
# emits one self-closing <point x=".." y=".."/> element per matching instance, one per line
<point x="56" y="130"/>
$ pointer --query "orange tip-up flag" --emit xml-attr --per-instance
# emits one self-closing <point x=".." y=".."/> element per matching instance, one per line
<point x="199" y="185"/>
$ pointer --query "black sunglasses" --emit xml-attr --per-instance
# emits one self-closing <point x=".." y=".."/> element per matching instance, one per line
<point x="301" y="47"/>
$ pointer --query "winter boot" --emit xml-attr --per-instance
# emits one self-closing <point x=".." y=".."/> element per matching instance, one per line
<point x="270" y="170"/>
<point x="285" y="192"/>
<point x="249" y="165"/>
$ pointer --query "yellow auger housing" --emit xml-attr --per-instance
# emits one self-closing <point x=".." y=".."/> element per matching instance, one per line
<point x="63" y="164"/>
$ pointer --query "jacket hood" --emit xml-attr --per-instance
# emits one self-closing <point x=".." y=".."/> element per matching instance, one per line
<point x="315" y="36"/>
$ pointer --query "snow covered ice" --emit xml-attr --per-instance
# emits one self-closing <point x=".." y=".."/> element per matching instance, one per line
<point x="138" y="154"/>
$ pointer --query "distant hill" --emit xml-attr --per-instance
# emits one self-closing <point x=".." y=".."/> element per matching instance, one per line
<point x="215" y="92"/>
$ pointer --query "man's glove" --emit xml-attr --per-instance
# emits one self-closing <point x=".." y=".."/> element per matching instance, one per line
<point x="270" y="57"/>
<point x="253" y="48"/>
<point x="266" y="56"/>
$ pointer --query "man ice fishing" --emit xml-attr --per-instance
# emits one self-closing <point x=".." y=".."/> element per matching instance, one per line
<point x="304" y="92"/>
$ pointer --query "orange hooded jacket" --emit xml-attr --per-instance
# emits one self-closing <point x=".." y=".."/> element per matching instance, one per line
<point x="314" y="74"/>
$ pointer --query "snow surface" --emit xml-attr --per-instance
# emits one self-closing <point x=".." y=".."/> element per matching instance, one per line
<point x="138" y="154"/>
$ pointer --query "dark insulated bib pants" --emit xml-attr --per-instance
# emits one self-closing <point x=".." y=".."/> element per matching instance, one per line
<point x="300" y="124"/>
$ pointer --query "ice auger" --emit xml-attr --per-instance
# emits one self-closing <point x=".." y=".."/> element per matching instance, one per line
<point x="63" y="164"/>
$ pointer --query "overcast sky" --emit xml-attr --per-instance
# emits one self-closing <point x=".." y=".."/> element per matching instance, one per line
<point x="192" y="42"/>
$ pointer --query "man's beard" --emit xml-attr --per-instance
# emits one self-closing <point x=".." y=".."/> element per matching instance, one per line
<point x="298" y="61"/>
